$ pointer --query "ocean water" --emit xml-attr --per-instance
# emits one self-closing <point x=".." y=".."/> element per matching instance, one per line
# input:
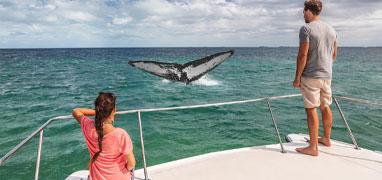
<point x="38" y="84"/>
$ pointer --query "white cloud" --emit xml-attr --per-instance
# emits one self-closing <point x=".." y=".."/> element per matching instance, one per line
<point x="121" y="21"/>
<point x="377" y="15"/>
<point x="162" y="7"/>
<point x="180" y="22"/>
<point x="79" y="16"/>
<point x="50" y="7"/>
<point x="51" y="19"/>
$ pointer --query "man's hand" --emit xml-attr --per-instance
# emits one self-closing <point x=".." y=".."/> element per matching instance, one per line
<point x="297" y="83"/>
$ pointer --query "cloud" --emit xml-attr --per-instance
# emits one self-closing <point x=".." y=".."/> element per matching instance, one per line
<point x="121" y="21"/>
<point x="79" y="16"/>
<point x="51" y="18"/>
<point x="127" y="23"/>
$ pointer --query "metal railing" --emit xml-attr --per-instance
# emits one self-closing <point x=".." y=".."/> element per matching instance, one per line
<point x="40" y="130"/>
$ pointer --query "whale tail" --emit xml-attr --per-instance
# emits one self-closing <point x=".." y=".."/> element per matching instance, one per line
<point x="187" y="72"/>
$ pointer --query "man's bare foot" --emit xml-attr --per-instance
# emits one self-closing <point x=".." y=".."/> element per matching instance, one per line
<point x="325" y="141"/>
<point x="308" y="150"/>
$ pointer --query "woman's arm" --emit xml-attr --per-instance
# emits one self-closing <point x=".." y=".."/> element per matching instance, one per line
<point x="79" y="112"/>
<point x="130" y="160"/>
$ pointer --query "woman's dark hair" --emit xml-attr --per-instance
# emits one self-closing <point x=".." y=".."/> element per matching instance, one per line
<point x="104" y="106"/>
<point x="314" y="6"/>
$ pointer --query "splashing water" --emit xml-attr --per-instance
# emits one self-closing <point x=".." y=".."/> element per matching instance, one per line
<point x="165" y="81"/>
<point x="206" y="81"/>
<point x="203" y="81"/>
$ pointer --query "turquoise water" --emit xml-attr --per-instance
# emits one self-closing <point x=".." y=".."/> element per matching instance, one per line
<point x="38" y="84"/>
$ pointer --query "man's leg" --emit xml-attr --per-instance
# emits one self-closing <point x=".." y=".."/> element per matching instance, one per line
<point x="327" y="119"/>
<point x="312" y="117"/>
<point x="326" y="112"/>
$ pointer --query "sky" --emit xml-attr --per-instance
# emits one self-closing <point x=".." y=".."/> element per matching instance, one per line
<point x="179" y="23"/>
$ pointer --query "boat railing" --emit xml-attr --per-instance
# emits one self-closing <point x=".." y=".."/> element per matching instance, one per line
<point x="40" y="130"/>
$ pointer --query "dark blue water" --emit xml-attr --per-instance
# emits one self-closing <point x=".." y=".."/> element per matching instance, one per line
<point x="38" y="84"/>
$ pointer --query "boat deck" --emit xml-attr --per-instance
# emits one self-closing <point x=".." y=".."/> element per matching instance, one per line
<point x="341" y="161"/>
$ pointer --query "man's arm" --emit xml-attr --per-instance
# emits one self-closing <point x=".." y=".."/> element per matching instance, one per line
<point x="301" y="62"/>
<point x="334" y="51"/>
<point x="79" y="112"/>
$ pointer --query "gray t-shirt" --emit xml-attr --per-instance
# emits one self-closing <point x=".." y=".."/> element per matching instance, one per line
<point x="321" y="37"/>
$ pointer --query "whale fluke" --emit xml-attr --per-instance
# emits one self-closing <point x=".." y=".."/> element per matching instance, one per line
<point x="185" y="73"/>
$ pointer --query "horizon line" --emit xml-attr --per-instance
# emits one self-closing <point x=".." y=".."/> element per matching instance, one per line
<point x="136" y="47"/>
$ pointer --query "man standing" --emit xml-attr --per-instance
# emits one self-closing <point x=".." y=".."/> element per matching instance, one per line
<point x="316" y="55"/>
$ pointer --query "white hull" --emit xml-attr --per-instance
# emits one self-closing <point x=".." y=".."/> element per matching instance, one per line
<point x="341" y="161"/>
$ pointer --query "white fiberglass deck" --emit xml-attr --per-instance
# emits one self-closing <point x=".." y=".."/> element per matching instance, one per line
<point x="341" y="161"/>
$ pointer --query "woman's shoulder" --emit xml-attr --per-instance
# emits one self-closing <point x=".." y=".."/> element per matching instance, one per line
<point x="86" y="122"/>
<point x="86" y="118"/>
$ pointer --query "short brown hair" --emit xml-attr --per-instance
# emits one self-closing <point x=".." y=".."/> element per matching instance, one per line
<point x="314" y="6"/>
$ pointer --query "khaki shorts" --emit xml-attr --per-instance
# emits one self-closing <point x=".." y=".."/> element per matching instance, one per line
<point x="316" y="92"/>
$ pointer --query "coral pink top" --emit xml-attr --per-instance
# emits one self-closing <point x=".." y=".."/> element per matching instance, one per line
<point x="111" y="162"/>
